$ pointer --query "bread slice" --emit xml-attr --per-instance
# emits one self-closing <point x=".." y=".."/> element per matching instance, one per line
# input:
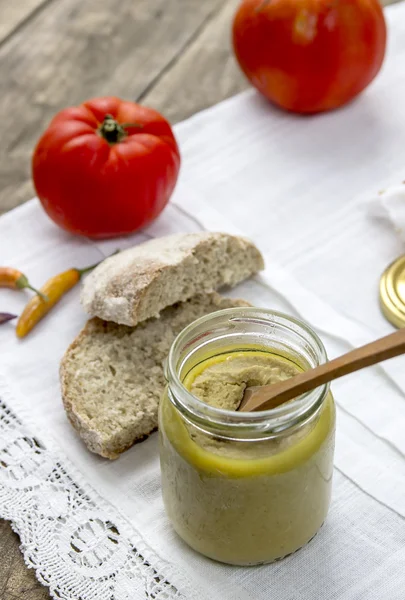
<point x="140" y="282"/>
<point x="112" y="375"/>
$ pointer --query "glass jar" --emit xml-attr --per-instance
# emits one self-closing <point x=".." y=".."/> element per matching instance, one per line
<point x="246" y="488"/>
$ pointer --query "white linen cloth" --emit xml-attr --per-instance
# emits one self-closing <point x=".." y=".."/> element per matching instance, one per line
<point x="299" y="187"/>
<point x="389" y="206"/>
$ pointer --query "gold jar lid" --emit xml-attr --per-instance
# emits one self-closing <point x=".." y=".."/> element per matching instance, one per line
<point x="392" y="292"/>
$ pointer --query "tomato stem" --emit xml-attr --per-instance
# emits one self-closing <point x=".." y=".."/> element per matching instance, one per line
<point x="114" y="132"/>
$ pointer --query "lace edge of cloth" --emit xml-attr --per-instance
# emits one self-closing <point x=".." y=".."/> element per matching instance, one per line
<point x="74" y="540"/>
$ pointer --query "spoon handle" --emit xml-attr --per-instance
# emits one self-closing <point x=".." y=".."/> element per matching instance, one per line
<point x="269" y="396"/>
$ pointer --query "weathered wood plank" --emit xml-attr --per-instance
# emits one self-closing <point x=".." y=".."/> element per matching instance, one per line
<point x="13" y="14"/>
<point x="204" y="74"/>
<point x="16" y="581"/>
<point x="75" y="50"/>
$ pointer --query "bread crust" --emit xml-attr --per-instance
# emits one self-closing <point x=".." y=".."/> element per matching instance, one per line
<point x="139" y="283"/>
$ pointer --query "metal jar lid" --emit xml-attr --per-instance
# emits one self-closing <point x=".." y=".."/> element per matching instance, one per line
<point x="392" y="292"/>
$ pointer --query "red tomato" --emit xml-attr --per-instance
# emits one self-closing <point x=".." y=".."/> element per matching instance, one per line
<point x="309" y="56"/>
<point x="106" y="167"/>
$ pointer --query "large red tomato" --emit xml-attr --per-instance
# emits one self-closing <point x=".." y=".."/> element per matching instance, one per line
<point x="309" y="56"/>
<point x="106" y="167"/>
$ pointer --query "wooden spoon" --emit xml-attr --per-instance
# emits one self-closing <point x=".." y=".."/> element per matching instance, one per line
<point x="269" y="396"/>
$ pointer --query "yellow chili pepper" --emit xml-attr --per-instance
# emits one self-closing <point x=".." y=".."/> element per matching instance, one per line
<point x="53" y="289"/>
<point x="14" y="279"/>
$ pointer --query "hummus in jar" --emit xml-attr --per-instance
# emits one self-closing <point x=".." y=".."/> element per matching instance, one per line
<point x="245" y="501"/>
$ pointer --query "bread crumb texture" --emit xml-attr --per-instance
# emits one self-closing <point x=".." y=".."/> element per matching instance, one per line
<point x="223" y="384"/>
<point x="112" y="375"/>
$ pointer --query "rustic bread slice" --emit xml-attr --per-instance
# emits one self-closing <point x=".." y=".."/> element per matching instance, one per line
<point x="112" y="375"/>
<point x="138" y="283"/>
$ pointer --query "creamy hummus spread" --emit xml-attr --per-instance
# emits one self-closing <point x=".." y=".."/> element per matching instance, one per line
<point x="222" y="380"/>
<point x="251" y="501"/>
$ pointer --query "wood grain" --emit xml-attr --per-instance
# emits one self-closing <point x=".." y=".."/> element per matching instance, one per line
<point x="14" y="14"/>
<point x="205" y="73"/>
<point x="17" y="582"/>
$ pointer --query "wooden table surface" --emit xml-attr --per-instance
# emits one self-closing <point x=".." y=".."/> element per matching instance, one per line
<point x="173" y="55"/>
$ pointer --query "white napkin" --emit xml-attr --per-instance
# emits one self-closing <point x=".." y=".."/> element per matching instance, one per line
<point x="389" y="206"/>
<point x="97" y="529"/>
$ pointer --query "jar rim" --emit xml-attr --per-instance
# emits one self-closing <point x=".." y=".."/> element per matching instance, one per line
<point x="276" y="419"/>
